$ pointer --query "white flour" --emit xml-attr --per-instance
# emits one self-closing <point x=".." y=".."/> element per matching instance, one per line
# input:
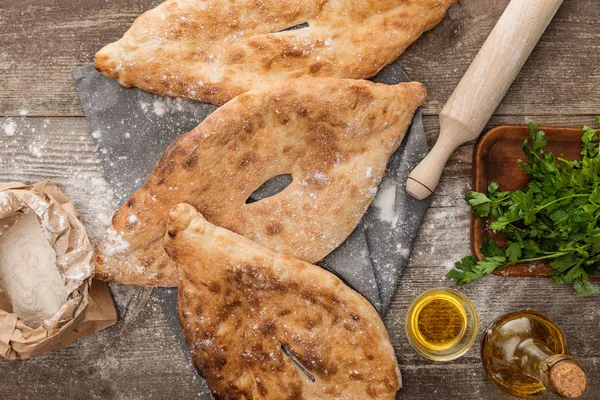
<point x="385" y="202"/>
<point x="10" y="127"/>
<point x="114" y="243"/>
<point x="28" y="272"/>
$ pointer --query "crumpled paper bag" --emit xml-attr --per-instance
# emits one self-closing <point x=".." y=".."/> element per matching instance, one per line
<point x="89" y="307"/>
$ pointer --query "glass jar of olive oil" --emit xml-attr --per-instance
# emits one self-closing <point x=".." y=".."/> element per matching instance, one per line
<point x="441" y="324"/>
<point x="526" y="354"/>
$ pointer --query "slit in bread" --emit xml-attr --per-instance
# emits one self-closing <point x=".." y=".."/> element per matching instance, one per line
<point x="264" y="325"/>
<point x="332" y="136"/>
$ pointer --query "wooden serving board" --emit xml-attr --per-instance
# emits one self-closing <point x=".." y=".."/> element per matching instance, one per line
<point x="495" y="160"/>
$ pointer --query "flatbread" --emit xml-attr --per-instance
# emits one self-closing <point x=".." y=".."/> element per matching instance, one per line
<point x="212" y="51"/>
<point x="333" y="136"/>
<point x="247" y="313"/>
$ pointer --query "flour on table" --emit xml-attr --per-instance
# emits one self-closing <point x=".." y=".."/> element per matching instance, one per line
<point x="29" y="144"/>
<point x="162" y="106"/>
<point x="94" y="199"/>
<point x="403" y="251"/>
<point x="37" y="146"/>
<point x="385" y="202"/>
<point x="28" y="272"/>
<point x="9" y="126"/>
<point x="159" y="108"/>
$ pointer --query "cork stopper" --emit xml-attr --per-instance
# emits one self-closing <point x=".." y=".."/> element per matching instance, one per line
<point x="568" y="379"/>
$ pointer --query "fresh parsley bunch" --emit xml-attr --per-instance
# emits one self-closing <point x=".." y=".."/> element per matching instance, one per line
<point x="555" y="218"/>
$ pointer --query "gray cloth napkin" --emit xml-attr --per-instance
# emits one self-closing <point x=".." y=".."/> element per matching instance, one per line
<point x="132" y="128"/>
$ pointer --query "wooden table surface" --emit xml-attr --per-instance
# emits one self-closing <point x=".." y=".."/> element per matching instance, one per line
<point x="41" y="41"/>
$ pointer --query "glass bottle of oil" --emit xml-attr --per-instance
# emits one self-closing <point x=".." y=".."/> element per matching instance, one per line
<point x="441" y="324"/>
<point x="526" y="354"/>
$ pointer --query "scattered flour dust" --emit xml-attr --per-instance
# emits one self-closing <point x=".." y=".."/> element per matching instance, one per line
<point x="162" y="106"/>
<point x="9" y="126"/>
<point x="95" y="200"/>
<point x="96" y="134"/>
<point x="144" y="106"/>
<point x="81" y="180"/>
<point x="114" y="243"/>
<point x="36" y="148"/>
<point x="159" y="107"/>
<point x="403" y="251"/>
<point x="385" y="203"/>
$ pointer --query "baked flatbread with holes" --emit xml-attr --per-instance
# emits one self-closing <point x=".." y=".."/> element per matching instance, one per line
<point x="261" y="325"/>
<point x="212" y="51"/>
<point x="333" y="136"/>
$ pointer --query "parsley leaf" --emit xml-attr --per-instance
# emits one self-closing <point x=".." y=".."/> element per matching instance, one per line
<point x="514" y="252"/>
<point x="490" y="248"/>
<point x="555" y="218"/>
<point x="476" y="198"/>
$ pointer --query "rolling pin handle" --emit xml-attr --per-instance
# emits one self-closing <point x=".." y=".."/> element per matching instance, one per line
<point x="423" y="180"/>
<point x="484" y="85"/>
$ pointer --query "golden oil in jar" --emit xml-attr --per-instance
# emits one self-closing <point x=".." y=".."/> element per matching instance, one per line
<point x="525" y="354"/>
<point x="441" y="324"/>
<point x="440" y="321"/>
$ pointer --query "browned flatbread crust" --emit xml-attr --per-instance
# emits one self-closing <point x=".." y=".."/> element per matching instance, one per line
<point x="334" y="136"/>
<point x="241" y="306"/>
<point x="214" y="50"/>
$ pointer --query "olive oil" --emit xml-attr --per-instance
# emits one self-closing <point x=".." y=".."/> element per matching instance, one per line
<point x="526" y="354"/>
<point x="440" y="321"/>
<point x="441" y="324"/>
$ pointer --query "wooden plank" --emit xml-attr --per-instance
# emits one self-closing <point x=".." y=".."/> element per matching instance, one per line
<point x="140" y="357"/>
<point x="42" y="41"/>
<point x="136" y="360"/>
<point x="432" y="125"/>
<point x="557" y="79"/>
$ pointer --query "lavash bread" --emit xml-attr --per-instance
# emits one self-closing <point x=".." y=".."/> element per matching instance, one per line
<point x="261" y="325"/>
<point x="212" y="51"/>
<point x="334" y="136"/>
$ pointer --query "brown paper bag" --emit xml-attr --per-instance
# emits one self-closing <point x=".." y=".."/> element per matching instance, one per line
<point x="89" y="307"/>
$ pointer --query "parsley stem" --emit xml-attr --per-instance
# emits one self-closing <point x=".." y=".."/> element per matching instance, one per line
<point x="550" y="203"/>
<point x="517" y="228"/>
<point x="561" y="199"/>
<point x="553" y="255"/>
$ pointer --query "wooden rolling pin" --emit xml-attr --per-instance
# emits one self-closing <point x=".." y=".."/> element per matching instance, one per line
<point x="483" y="87"/>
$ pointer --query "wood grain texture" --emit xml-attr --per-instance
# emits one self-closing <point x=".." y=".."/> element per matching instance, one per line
<point x="494" y="69"/>
<point x="40" y="42"/>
